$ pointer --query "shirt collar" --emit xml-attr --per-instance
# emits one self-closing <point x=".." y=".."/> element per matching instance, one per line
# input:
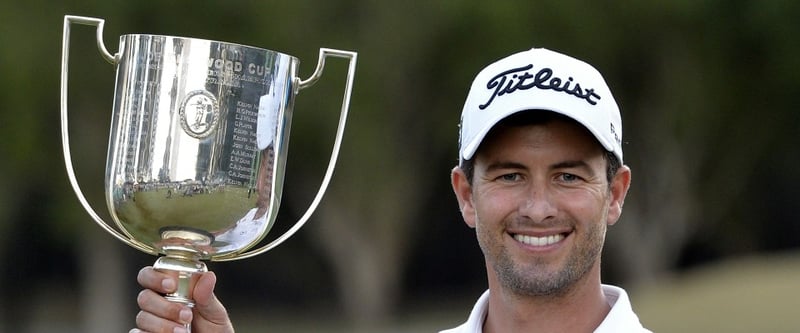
<point x="621" y="318"/>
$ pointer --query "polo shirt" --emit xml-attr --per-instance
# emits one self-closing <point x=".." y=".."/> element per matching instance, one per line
<point x="621" y="318"/>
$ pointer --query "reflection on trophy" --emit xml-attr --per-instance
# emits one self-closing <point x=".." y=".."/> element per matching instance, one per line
<point x="198" y="146"/>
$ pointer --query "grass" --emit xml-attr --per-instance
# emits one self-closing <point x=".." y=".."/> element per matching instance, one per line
<point x="754" y="294"/>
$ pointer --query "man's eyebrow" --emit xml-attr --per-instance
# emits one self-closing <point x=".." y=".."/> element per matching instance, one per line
<point x="569" y="164"/>
<point x="573" y="164"/>
<point x="504" y="165"/>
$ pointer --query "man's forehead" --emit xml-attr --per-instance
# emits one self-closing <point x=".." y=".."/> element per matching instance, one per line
<point x="555" y="139"/>
<point x="541" y="131"/>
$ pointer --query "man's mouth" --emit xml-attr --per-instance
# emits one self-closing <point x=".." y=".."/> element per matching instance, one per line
<point x="540" y="241"/>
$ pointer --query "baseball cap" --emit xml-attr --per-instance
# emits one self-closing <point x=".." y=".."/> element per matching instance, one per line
<point x="540" y="79"/>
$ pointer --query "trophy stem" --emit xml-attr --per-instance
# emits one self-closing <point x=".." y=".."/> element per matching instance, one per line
<point x="185" y="264"/>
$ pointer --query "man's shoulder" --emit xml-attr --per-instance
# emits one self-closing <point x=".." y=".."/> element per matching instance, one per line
<point x="621" y="318"/>
<point x="474" y="323"/>
<point x="459" y="329"/>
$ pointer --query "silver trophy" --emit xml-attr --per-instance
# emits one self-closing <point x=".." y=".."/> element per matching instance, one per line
<point x="197" y="146"/>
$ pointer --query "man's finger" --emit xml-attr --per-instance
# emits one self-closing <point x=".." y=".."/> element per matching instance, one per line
<point x="151" y="323"/>
<point x="157" y="305"/>
<point x="150" y="278"/>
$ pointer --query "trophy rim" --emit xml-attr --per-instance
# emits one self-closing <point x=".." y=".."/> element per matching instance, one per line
<point x="206" y="40"/>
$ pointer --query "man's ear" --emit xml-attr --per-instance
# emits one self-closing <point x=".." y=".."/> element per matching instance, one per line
<point x="619" y="189"/>
<point x="463" y="191"/>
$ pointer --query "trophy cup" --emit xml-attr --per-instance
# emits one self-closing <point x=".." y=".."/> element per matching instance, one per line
<point x="197" y="147"/>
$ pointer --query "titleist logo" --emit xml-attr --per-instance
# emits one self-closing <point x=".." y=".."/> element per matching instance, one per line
<point x="520" y="79"/>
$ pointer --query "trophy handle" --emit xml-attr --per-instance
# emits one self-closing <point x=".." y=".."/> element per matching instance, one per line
<point x="113" y="59"/>
<point x="302" y="84"/>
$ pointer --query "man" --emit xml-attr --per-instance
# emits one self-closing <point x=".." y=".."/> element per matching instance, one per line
<point x="540" y="178"/>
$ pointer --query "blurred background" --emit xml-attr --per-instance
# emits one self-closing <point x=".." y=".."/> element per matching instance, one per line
<point x="709" y="92"/>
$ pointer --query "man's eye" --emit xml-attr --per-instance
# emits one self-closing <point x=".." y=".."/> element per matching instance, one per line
<point x="568" y="177"/>
<point x="510" y="177"/>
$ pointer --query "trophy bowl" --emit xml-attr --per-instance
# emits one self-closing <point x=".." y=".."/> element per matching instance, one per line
<point x="197" y="146"/>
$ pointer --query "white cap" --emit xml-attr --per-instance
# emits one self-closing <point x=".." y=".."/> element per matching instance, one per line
<point x="540" y="79"/>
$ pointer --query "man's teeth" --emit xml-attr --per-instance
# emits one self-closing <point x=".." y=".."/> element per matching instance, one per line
<point x="539" y="241"/>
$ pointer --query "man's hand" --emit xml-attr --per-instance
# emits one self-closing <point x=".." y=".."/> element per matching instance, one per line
<point x="158" y="315"/>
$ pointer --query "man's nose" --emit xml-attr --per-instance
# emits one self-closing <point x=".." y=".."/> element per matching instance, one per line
<point x="538" y="204"/>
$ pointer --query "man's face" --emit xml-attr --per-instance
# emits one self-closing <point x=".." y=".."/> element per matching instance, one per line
<point x="540" y="203"/>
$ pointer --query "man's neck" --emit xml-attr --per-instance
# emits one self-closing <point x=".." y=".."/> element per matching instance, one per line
<point x="580" y="309"/>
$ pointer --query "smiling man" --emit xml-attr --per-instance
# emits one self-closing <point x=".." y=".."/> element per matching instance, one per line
<point x="540" y="179"/>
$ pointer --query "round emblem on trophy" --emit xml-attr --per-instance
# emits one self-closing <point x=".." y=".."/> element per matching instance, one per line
<point x="199" y="113"/>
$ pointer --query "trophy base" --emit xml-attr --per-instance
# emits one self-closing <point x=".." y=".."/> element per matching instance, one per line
<point x="180" y="299"/>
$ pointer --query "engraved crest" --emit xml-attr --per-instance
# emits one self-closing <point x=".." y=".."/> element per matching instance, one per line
<point x="199" y="114"/>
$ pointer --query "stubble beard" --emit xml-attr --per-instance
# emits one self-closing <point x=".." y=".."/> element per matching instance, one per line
<point x="539" y="277"/>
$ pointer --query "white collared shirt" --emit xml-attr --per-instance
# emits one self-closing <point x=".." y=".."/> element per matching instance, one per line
<point x="620" y="319"/>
